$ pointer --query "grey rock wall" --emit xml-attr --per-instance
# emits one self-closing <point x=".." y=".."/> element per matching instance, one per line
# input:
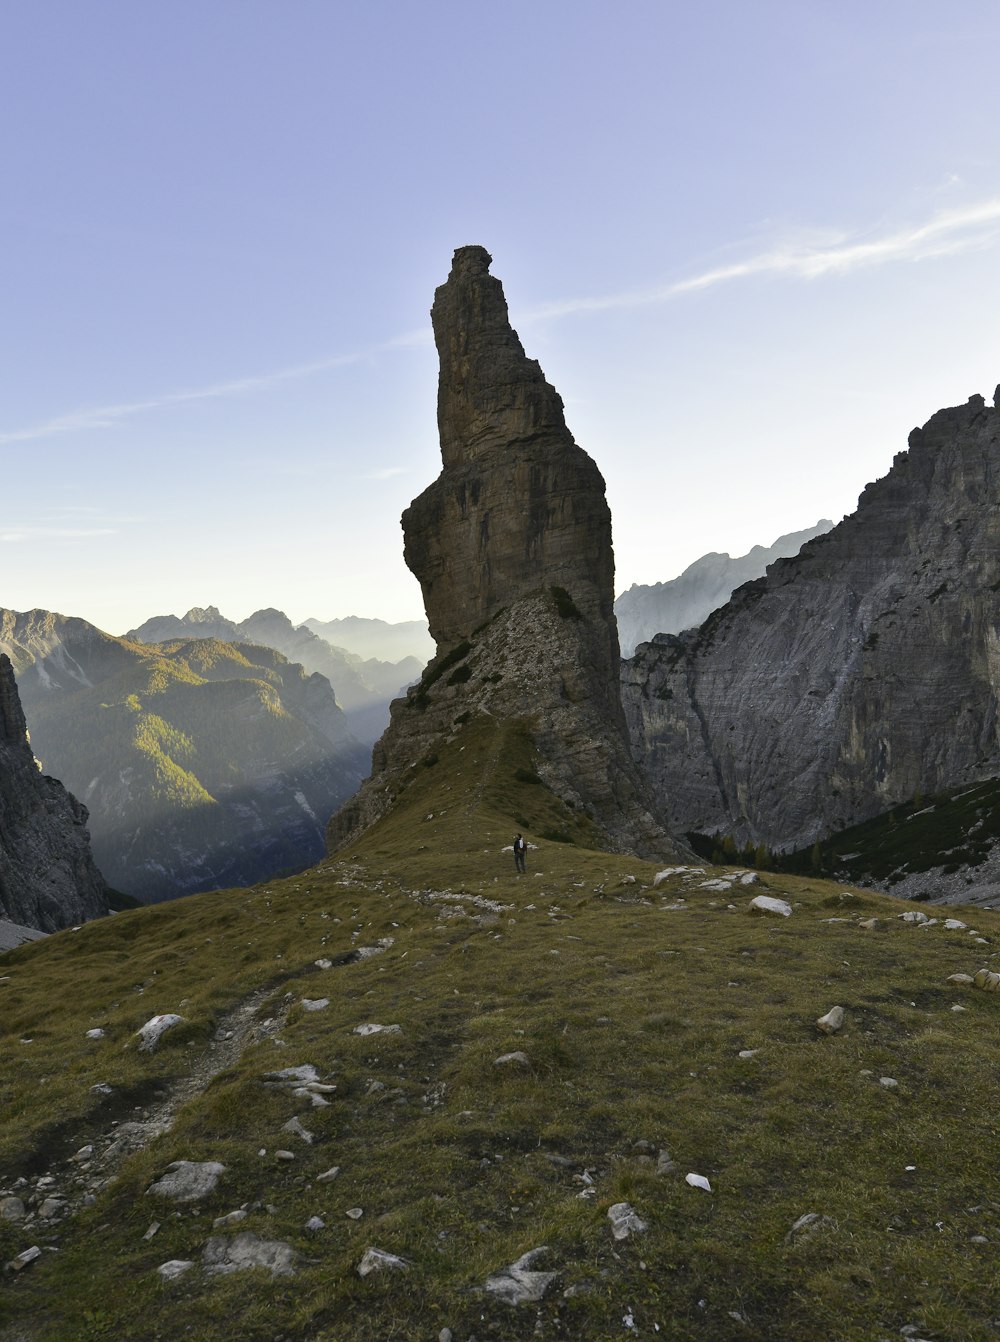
<point x="48" y="879"/>
<point x="851" y="677"/>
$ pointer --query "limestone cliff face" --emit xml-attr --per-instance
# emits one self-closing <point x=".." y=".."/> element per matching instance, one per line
<point x="48" y="879"/>
<point x="512" y="548"/>
<point x="861" y="672"/>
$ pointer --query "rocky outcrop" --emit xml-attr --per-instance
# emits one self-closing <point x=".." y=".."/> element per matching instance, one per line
<point x="686" y="601"/>
<point x="512" y="549"/>
<point x="852" y="677"/>
<point x="48" y="879"/>
<point x="203" y="764"/>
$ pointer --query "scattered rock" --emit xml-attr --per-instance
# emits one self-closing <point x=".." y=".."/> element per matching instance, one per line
<point x="303" y="1076"/>
<point x="769" y="904"/>
<point x="698" y="1181"/>
<point x="377" y="1029"/>
<point x="355" y="1213"/>
<point x="24" y="1259"/>
<point x="51" y="1208"/>
<point x="747" y="1053"/>
<point x="155" y="1028"/>
<point x="176" y="1267"/>
<point x="914" y="916"/>
<point x="315" y="1223"/>
<point x="95" y="1034"/>
<point x="284" y="1155"/>
<point x="246" y="1250"/>
<point x="518" y="1284"/>
<point x="868" y="923"/>
<point x="961" y="980"/>
<point x="519" y="1058"/>
<point x="377" y="1260"/>
<point x="808" y="1225"/>
<point x="328" y="1175"/>
<point x="297" y="1130"/>
<point x="187" y="1180"/>
<point x="664" y="1164"/>
<point x="84" y="1153"/>
<point x="625" y="1220"/>
<point x="230" y="1219"/>
<point x="11" y="1209"/>
<point x="832" y="1021"/>
<point x="315" y="1003"/>
<point x="888" y="1082"/>
<point x="987" y="980"/>
<point x="954" y="925"/>
<point x="154" y="1227"/>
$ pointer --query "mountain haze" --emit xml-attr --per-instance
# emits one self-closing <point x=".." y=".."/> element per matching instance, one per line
<point x="687" y="600"/>
<point x="364" y="687"/>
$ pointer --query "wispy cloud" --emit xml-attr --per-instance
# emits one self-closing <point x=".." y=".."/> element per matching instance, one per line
<point x="13" y="535"/>
<point x="386" y="473"/>
<point x="106" y="416"/>
<point x="947" y="233"/>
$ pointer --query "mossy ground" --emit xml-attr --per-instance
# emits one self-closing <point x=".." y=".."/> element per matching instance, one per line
<point x="632" y="1004"/>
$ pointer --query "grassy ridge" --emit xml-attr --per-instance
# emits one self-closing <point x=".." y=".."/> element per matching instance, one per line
<point x="632" y="1004"/>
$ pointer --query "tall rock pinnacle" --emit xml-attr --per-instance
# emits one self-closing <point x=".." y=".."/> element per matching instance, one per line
<point x="511" y="545"/>
<point x="518" y="504"/>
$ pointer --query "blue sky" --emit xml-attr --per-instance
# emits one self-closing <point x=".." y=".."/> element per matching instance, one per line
<point x="751" y="245"/>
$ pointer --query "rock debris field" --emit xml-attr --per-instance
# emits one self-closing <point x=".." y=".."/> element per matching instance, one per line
<point x="511" y="1110"/>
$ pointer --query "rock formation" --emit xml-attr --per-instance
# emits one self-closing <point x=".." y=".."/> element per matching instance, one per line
<point x="48" y="879"/>
<point x="686" y="601"/>
<point x="512" y="548"/>
<point x="850" y="678"/>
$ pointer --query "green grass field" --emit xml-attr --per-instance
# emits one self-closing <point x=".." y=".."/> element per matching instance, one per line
<point x="632" y="1004"/>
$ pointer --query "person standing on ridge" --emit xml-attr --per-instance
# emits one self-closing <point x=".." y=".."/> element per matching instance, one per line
<point x="520" y="848"/>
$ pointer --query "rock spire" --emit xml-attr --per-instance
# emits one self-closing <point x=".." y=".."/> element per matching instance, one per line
<point x="511" y="545"/>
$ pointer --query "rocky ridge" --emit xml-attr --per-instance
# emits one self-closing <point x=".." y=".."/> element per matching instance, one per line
<point x="686" y="601"/>
<point x="852" y="677"/>
<point x="48" y="879"/>
<point x="512" y="548"/>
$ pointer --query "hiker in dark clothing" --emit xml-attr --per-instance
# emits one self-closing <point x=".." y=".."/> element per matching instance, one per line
<point x="520" y="848"/>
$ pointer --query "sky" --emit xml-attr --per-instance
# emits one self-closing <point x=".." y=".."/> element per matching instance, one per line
<point x="752" y="246"/>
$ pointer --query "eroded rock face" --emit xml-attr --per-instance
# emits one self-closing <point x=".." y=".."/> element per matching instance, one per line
<point x="48" y="879"/>
<point x="851" y="677"/>
<point x="518" y="505"/>
<point x="512" y="548"/>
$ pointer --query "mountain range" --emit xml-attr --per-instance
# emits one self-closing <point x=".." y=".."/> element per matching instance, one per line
<point x="203" y="764"/>
<point x="364" y="686"/>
